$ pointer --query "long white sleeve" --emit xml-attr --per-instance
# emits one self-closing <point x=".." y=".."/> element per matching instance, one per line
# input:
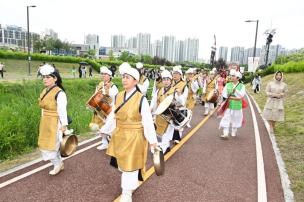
<point x="61" y="108"/>
<point x="147" y="121"/>
<point x="110" y="123"/>
<point x="240" y="93"/>
<point x="204" y="85"/>
<point x="194" y="86"/>
<point x="113" y="92"/>
<point x="224" y="92"/>
<point x="153" y="104"/>
<point x="181" y="99"/>
<point x="144" y="87"/>
<point x="154" y="90"/>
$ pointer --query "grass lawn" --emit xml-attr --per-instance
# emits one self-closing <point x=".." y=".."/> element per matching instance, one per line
<point x="18" y="69"/>
<point x="290" y="134"/>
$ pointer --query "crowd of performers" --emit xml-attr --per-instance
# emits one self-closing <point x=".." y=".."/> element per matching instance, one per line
<point x="133" y="127"/>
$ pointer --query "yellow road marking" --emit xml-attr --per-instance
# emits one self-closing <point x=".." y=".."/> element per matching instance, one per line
<point x="151" y="170"/>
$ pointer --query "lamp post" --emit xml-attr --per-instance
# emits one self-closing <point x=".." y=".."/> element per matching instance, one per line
<point x="28" y="39"/>
<point x="255" y="40"/>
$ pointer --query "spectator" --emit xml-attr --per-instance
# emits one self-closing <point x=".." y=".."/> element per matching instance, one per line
<point x="90" y="71"/>
<point x="83" y="72"/>
<point x="1" y="69"/>
<point x="74" y="72"/>
<point x="79" y="71"/>
<point x="113" y="70"/>
<point x="256" y="84"/>
<point x="274" y="107"/>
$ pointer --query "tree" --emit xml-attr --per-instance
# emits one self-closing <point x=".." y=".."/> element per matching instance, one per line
<point x="92" y="52"/>
<point x="111" y="56"/>
<point x="57" y="45"/>
<point x="147" y="59"/>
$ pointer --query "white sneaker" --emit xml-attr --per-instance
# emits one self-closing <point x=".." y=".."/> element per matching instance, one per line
<point x="126" y="197"/>
<point x="102" y="147"/>
<point x="225" y="134"/>
<point x="57" y="169"/>
<point x="206" y="113"/>
<point x="233" y="133"/>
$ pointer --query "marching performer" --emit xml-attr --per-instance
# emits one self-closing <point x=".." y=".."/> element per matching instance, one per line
<point x="132" y="126"/>
<point x="202" y="82"/>
<point x="107" y="87"/>
<point x="143" y="83"/>
<point x="209" y="85"/>
<point x="53" y="122"/>
<point x="221" y="81"/>
<point x="158" y="81"/>
<point x="193" y="86"/>
<point x="164" y="129"/>
<point x="233" y="91"/>
<point x="181" y="89"/>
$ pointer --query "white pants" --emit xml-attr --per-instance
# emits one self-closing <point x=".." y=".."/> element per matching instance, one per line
<point x="233" y="118"/>
<point x="226" y="130"/>
<point x="166" y="138"/>
<point x="129" y="180"/>
<point x="208" y="106"/>
<point x="54" y="156"/>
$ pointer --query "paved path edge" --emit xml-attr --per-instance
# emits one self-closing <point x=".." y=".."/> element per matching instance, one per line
<point x="288" y="193"/>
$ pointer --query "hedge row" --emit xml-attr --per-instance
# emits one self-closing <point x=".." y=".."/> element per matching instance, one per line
<point x="67" y="59"/>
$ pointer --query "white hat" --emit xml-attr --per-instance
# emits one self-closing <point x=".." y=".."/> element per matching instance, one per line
<point x="105" y="70"/>
<point x="124" y="65"/>
<point x="232" y="72"/>
<point x="46" y="70"/>
<point x="139" y="65"/>
<point x="162" y="68"/>
<point x="166" y="74"/>
<point x="127" y="69"/>
<point x="190" y="71"/>
<point x="238" y="74"/>
<point x="177" y="69"/>
<point x="212" y="72"/>
<point x="214" y="69"/>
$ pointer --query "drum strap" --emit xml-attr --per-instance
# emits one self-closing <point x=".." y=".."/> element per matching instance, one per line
<point x="125" y="101"/>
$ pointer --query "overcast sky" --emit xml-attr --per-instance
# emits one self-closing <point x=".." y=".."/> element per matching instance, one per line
<point x="182" y="18"/>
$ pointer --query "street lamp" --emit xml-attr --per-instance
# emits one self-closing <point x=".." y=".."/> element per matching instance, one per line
<point x="256" y="33"/>
<point x="28" y="39"/>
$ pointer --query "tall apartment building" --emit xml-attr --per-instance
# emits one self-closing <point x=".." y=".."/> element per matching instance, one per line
<point x="223" y="53"/>
<point x="118" y="42"/>
<point x="143" y="44"/>
<point x="191" y="48"/>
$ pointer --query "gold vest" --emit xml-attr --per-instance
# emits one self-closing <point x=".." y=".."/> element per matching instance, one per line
<point x="49" y="120"/>
<point x="96" y="118"/>
<point x="159" y="84"/>
<point x="180" y="85"/>
<point x="210" y="87"/>
<point x="128" y="144"/>
<point x="190" y="103"/>
<point x="161" y="123"/>
<point x="142" y="79"/>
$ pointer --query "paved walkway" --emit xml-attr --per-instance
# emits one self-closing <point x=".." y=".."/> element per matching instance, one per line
<point x="204" y="168"/>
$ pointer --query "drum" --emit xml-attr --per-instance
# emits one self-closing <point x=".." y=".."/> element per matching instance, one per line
<point x="100" y="103"/>
<point x="175" y="115"/>
<point x="212" y="96"/>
